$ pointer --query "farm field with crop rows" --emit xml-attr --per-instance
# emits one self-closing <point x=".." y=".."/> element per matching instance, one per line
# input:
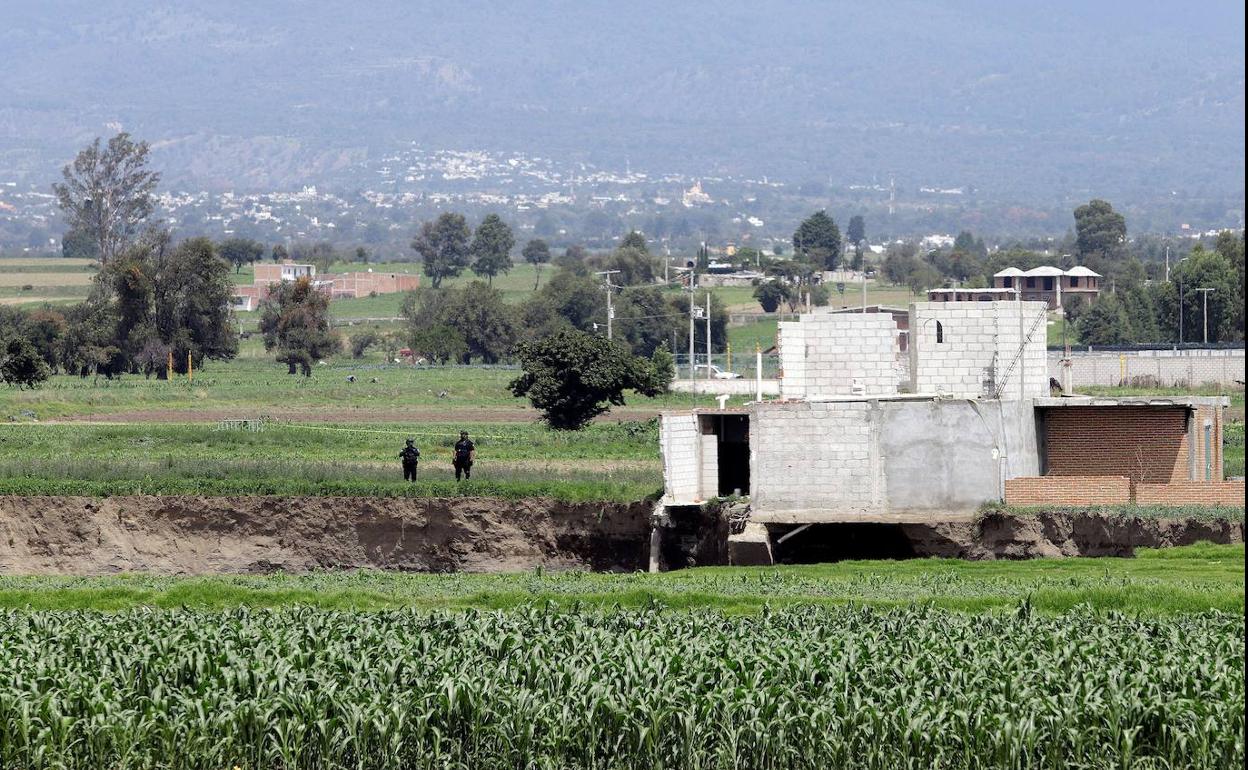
<point x="537" y="687"/>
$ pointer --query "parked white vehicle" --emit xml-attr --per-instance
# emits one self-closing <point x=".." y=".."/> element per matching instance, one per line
<point x="716" y="373"/>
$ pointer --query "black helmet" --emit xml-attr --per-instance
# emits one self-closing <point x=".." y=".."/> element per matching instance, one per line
<point x="410" y="440"/>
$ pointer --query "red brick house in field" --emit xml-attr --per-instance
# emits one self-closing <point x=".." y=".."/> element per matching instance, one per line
<point x="336" y="285"/>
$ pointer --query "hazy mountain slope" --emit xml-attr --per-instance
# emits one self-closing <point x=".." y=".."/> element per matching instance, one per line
<point x="1124" y="99"/>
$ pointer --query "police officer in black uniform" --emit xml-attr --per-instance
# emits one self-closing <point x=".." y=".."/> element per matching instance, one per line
<point x="465" y="453"/>
<point x="410" y="457"/>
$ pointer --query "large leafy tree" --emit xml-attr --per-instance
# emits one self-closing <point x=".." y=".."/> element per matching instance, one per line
<point x="485" y="326"/>
<point x="20" y="364"/>
<point x="645" y="319"/>
<point x="569" y="299"/>
<point x="537" y="254"/>
<point x="771" y="293"/>
<point x="572" y="377"/>
<point x="636" y="267"/>
<point x="294" y="319"/>
<point x="443" y="246"/>
<point x="818" y="241"/>
<point x="1202" y="269"/>
<point x="491" y="248"/>
<point x="241" y="251"/>
<point x="1100" y="232"/>
<point x="107" y="193"/>
<point x="1105" y="323"/>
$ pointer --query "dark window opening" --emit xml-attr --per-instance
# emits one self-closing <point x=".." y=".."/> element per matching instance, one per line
<point x="820" y="543"/>
<point x="1048" y="284"/>
<point x="1031" y="283"/>
<point x="1008" y="282"/>
<point x="940" y="333"/>
<point x="1074" y="282"/>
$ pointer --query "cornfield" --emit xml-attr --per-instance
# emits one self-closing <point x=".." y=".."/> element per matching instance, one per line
<point x="538" y="688"/>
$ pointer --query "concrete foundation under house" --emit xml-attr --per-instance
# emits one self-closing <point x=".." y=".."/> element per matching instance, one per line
<point x="856" y="437"/>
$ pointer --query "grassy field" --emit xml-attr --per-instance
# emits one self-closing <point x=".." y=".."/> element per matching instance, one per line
<point x="606" y="461"/>
<point x="1186" y="579"/>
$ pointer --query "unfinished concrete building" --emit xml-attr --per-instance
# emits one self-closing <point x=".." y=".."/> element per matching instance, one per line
<point x="864" y="434"/>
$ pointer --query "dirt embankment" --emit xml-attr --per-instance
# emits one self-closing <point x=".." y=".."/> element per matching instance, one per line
<point x="199" y="535"/>
<point x="999" y="535"/>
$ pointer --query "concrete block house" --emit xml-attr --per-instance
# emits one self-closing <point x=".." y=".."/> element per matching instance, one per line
<point x="967" y="418"/>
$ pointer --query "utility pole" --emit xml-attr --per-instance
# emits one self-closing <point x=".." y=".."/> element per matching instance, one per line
<point x="692" y="313"/>
<point x="708" y="335"/>
<point x="606" y="277"/>
<point x="1167" y="263"/>
<point x="1206" y="293"/>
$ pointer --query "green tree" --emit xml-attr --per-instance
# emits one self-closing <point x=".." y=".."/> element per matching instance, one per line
<point x="279" y="252"/>
<point x="537" y="254"/>
<point x="820" y="295"/>
<point x="636" y="267"/>
<point x="922" y="278"/>
<point x="644" y="319"/>
<point x="294" y="319"/>
<point x="1202" y="269"/>
<point x="240" y="251"/>
<point x="1141" y="312"/>
<point x="320" y="254"/>
<point x="818" y="241"/>
<point x="491" y="248"/>
<point x="79" y="243"/>
<point x="1100" y="232"/>
<point x="635" y="240"/>
<point x="362" y="341"/>
<point x="439" y="343"/>
<point x="107" y="192"/>
<point x="569" y="299"/>
<point x="443" y="246"/>
<point x="21" y="365"/>
<point x="475" y="311"/>
<point x="770" y="294"/>
<point x="573" y="258"/>
<point x="856" y="233"/>
<point x="192" y="304"/>
<point x="572" y="377"/>
<point x="1105" y="323"/>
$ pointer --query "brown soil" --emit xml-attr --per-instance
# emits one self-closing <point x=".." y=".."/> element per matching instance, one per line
<point x="1045" y="534"/>
<point x="205" y="535"/>
<point x="201" y="535"/>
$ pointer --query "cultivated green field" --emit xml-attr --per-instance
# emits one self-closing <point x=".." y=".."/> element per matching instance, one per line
<point x="1169" y="581"/>
<point x="1134" y="663"/>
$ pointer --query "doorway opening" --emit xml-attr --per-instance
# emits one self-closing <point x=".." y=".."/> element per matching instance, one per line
<point x="732" y="452"/>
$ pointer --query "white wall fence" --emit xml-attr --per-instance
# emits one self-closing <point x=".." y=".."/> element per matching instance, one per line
<point x="1152" y="368"/>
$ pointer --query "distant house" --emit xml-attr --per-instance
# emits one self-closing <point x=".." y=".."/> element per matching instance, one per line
<point x="1048" y="283"/>
<point x="970" y="295"/>
<point x="336" y="285"/>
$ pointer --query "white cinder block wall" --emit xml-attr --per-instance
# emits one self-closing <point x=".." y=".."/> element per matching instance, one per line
<point x="979" y="341"/>
<point x="679" y="443"/>
<point x="826" y="354"/>
<point x="812" y="455"/>
<point x="792" y="343"/>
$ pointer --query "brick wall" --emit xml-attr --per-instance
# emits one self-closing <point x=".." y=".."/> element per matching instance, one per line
<point x="678" y="441"/>
<point x="1068" y="490"/>
<point x="978" y="341"/>
<point x="1146" y="444"/>
<point x="1191" y="493"/>
<point x="812" y="455"/>
<point x="792" y="343"/>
